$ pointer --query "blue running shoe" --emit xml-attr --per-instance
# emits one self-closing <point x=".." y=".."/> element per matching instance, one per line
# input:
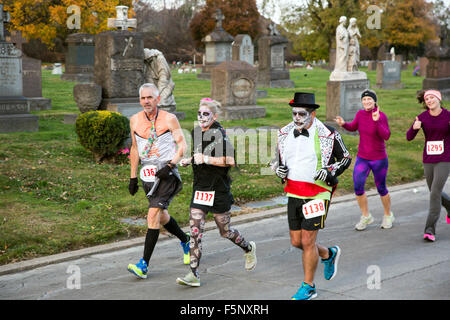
<point x="331" y="263"/>
<point x="140" y="269"/>
<point x="306" y="292"/>
<point x="185" y="246"/>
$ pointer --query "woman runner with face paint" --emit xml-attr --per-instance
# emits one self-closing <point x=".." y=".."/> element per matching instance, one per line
<point x="435" y="123"/>
<point x="213" y="155"/>
<point x="373" y="128"/>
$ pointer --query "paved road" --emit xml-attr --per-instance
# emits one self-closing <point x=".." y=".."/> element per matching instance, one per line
<point x="375" y="263"/>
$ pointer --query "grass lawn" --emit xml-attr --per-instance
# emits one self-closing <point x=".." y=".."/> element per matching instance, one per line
<point x="55" y="198"/>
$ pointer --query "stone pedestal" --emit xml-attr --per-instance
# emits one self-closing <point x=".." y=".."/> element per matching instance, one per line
<point x="344" y="99"/>
<point x="233" y="84"/>
<point x="272" y="71"/>
<point x="80" y="58"/>
<point x="14" y="107"/>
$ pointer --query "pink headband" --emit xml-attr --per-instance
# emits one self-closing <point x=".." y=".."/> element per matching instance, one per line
<point x="206" y="99"/>
<point x="435" y="93"/>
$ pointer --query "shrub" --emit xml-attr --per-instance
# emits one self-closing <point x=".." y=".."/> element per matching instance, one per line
<point x="102" y="132"/>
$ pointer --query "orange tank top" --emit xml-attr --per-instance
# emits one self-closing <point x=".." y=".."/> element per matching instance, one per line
<point x="144" y="125"/>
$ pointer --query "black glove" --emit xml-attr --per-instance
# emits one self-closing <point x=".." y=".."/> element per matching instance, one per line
<point x="165" y="172"/>
<point x="133" y="186"/>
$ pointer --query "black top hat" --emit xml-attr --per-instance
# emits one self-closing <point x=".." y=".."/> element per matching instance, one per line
<point x="305" y="100"/>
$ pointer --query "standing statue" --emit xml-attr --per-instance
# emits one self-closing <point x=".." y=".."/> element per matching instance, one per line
<point x="341" y="46"/>
<point x="353" y="47"/>
<point x="157" y="71"/>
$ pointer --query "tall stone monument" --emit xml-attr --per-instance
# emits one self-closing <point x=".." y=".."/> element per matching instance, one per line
<point x="217" y="47"/>
<point x="14" y="107"/>
<point x="80" y="58"/>
<point x="344" y="87"/>
<point x="119" y="65"/>
<point x="243" y="49"/>
<point x="272" y="71"/>
<point x="438" y="70"/>
<point x="233" y="84"/>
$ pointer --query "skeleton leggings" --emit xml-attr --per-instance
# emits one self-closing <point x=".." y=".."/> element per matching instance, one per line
<point x="197" y="226"/>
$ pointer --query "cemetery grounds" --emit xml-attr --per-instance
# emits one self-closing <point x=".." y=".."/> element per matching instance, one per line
<point x="54" y="197"/>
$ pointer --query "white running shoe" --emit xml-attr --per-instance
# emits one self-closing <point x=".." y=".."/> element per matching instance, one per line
<point x="250" y="257"/>
<point x="387" y="221"/>
<point x="364" y="222"/>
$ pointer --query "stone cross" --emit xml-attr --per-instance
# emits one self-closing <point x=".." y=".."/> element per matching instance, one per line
<point x="129" y="44"/>
<point x="122" y="22"/>
<point x="219" y="18"/>
<point x="4" y="17"/>
<point x="273" y="31"/>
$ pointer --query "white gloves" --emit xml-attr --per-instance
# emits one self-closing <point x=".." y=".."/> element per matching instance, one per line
<point x="282" y="172"/>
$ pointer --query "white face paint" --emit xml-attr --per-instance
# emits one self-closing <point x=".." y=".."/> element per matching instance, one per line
<point x="302" y="118"/>
<point x="205" y="117"/>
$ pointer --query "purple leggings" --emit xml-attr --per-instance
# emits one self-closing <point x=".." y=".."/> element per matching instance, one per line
<point x="362" y="170"/>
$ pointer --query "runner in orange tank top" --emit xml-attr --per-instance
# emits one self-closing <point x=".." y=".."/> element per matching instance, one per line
<point x="155" y="135"/>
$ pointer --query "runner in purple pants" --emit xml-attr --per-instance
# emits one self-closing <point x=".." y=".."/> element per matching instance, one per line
<point x="373" y="128"/>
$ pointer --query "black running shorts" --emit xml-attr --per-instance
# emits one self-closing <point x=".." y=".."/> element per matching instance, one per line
<point x="296" y="219"/>
<point x="164" y="193"/>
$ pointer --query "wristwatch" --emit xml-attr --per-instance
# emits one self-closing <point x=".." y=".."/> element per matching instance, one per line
<point x="206" y="159"/>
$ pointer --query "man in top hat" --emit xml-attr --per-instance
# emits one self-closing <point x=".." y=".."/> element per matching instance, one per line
<point x="311" y="156"/>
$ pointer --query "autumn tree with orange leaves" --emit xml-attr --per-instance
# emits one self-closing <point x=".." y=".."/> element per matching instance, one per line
<point x="241" y="17"/>
<point x="47" y="19"/>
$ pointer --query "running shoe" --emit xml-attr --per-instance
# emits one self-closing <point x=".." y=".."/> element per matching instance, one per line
<point x="364" y="222"/>
<point x="140" y="269"/>
<point x="387" y="221"/>
<point x="250" y="257"/>
<point x="306" y="292"/>
<point x="429" y="237"/>
<point x="189" y="280"/>
<point x="446" y="203"/>
<point x="185" y="246"/>
<point x="331" y="263"/>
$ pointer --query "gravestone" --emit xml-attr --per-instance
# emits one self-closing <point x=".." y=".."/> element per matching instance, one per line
<point x="272" y="71"/>
<point x="438" y="71"/>
<point x="119" y="65"/>
<point x="423" y="63"/>
<point x="80" y="58"/>
<point x="372" y="66"/>
<point x="243" y="49"/>
<point x="14" y="107"/>
<point x="389" y="75"/>
<point x="217" y="47"/>
<point x="233" y="84"/>
<point x="31" y="75"/>
<point x="344" y="99"/>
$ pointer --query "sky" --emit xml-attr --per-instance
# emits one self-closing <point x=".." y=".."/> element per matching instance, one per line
<point x="276" y="6"/>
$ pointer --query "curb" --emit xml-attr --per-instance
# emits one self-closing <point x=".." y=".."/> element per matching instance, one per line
<point x="125" y="244"/>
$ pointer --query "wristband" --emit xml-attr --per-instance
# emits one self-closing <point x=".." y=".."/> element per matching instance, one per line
<point x="206" y="159"/>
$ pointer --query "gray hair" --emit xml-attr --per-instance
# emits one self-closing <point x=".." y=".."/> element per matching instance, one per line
<point x="211" y="104"/>
<point x="151" y="86"/>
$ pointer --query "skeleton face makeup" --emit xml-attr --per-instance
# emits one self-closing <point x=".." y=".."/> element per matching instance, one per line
<point x="302" y="118"/>
<point x="205" y="117"/>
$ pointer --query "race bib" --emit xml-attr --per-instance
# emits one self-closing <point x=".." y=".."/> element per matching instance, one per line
<point x="435" y="147"/>
<point x="314" y="208"/>
<point x="147" y="173"/>
<point x="205" y="198"/>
